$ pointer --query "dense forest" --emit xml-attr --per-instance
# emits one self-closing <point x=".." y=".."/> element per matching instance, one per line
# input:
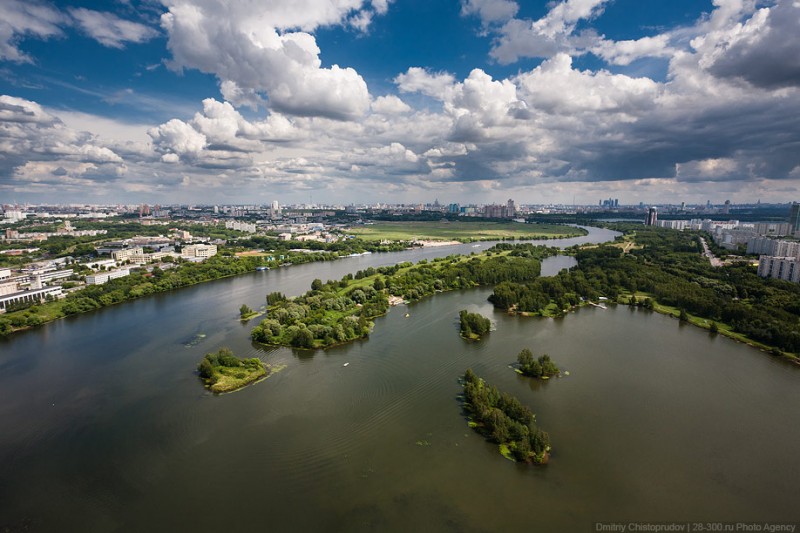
<point x="502" y="419"/>
<point x="666" y="269"/>
<point x="340" y="311"/>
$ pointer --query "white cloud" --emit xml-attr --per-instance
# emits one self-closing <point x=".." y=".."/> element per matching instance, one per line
<point x="417" y="79"/>
<point x="548" y="35"/>
<point x="763" y="50"/>
<point x="239" y="97"/>
<point x="390" y="105"/>
<point x="110" y="30"/>
<point x="35" y="144"/>
<point x="178" y="137"/>
<point x="239" y="42"/>
<point x="22" y="19"/>
<point x="490" y="11"/>
<point x="555" y="87"/>
<point x="624" y="52"/>
<point x="550" y="131"/>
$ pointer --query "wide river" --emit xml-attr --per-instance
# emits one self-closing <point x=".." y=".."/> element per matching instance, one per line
<point x="104" y="425"/>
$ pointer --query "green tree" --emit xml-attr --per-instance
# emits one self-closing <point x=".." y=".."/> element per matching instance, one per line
<point x="244" y="310"/>
<point x="303" y="338"/>
<point x="316" y="285"/>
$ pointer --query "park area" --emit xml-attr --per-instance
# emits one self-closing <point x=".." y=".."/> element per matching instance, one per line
<point x="461" y="231"/>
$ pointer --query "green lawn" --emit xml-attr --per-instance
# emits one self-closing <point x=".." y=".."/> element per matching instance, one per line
<point x="461" y="231"/>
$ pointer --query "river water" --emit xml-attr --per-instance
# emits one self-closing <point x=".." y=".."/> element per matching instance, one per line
<point x="104" y="425"/>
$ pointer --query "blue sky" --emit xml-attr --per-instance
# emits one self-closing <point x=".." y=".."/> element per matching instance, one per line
<point x="391" y="101"/>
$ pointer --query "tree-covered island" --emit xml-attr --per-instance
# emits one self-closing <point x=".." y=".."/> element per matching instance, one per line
<point x="542" y="367"/>
<point x="224" y="372"/>
<point x="502" y="419"/>
<point x="336" y="312"/>
<point x="473" y="326"/>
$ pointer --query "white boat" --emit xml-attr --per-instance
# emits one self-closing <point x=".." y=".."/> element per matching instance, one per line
<point x="345" y="364"/>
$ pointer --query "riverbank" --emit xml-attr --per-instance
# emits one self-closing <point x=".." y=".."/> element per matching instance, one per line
<point x="139" y="285"/>
<point x="704" y="323"/>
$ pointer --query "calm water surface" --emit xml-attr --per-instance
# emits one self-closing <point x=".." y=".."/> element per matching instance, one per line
<point x="105" y="427"/>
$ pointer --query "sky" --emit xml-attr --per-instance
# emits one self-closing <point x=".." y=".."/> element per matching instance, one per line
<point x="395" y="101"/>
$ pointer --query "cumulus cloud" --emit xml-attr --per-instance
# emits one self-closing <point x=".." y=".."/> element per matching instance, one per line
<point x="625" y="52"/>
<point x="390" y="105"/>
<point x="764" y="50"/>
<point x="417" y="79"/>
<point x="220" y="137"/>
<point x="36" y="146"/>
<point x="554" y="33"/>
<point x="554" y="129"/>
<point x="253" y="46"/>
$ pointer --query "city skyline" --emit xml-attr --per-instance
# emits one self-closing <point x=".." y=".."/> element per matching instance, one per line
<point x="386" y="101"/>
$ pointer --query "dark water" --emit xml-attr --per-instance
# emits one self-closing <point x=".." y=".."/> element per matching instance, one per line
<point x="105" y="427"/>
<point x="553" y="265"/>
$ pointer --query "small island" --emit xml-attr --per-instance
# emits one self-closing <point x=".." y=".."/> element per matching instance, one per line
<point x="246" y="313"/>
<point x="541" y="368"/>
<point x="224" y="372"/>
<point x="473" y="325"/>
<point x="502" y="419"/>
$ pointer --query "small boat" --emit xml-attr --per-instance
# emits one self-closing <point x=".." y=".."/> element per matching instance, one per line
<point x="345" y="364"/>
<point x="262" y="268"/>
<point x="407" y="315"/>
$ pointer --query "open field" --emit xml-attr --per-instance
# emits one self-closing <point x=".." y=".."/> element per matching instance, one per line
<point x="461" y="231"/>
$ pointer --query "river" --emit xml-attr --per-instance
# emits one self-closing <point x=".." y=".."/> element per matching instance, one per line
<point x="104" y="425"/>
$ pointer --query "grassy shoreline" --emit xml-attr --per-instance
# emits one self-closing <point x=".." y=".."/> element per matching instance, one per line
<point x="463" y="232"/>
<point x="697" y="321"/>
<point x="222" y="372"/>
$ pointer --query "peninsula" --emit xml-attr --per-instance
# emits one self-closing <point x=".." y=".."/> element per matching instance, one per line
<point x="336" y="312"/>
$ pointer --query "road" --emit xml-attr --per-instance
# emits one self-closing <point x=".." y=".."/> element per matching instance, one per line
<point x="715" y="262"/>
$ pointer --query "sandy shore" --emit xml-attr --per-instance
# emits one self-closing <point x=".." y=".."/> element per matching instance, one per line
<point x="395" y="300"/>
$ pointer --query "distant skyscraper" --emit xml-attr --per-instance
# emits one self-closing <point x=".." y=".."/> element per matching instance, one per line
<point x="511" y="209"/>
<point x="794" y="216"/>
<point x="652" y="217"/>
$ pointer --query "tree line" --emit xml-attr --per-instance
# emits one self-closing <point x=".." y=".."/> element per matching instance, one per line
<point x="667" y="266"/>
